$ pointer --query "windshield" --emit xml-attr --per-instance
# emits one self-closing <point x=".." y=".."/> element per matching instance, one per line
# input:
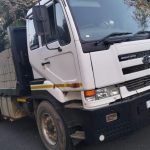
<point x="96" y="19"/>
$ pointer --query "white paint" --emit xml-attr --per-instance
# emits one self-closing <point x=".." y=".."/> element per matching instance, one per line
<point x="59" y="94"/>
<point x="102" y="138"/>
<point x="95" y="104"/>
<point x="131" y="62"/>
<point x="125" y="93"/>
<point x="148" y="104"/>
<point x="94" y="70"/>
<point x="106" y="67"/>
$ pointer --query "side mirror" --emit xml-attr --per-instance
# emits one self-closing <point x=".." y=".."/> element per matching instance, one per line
<point x="41" y="20"/>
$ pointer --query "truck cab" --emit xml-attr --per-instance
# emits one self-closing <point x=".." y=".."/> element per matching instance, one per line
<point x="97" y="57"/>
<point x="101" y="53"/>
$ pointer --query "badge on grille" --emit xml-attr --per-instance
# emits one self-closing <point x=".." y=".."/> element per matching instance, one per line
<point x="146" y="60"/>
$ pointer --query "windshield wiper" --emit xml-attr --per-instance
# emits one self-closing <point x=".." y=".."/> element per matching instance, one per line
<point x="110" y="38"/>
<point x="142" y="32"/>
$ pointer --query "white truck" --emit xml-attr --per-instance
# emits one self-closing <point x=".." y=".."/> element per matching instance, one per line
<point x="81" y="67"/>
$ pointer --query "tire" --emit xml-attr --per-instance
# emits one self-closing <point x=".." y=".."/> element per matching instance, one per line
<point x="52" y="128"/>
<point x="1" y="117"/>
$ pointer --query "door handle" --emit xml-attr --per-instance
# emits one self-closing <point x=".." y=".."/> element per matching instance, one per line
<point x="45" y="63"/>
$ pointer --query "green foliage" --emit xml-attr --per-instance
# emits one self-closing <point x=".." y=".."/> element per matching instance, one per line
<point x="12" y="12"/>
<point x="2" y="39"/>
<point x="141" y="13"/>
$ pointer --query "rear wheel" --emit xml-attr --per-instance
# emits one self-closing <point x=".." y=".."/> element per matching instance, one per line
<point x="52" y="128"/>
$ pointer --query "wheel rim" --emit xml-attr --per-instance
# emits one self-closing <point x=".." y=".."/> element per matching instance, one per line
<point x="49" y="129"/>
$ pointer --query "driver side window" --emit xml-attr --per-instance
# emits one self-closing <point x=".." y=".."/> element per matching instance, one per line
<point x="33" y="37"/>
<point x="61" y="26"/>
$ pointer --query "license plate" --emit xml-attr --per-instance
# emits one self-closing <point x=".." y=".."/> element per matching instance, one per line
<point x="148" y="104"/>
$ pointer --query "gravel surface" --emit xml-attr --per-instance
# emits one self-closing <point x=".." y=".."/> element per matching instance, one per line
<point x="23" y="135"/>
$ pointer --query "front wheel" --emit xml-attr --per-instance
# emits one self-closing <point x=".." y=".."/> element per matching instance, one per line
<point x="52" y="128"/>
<point x="1" y="116"/>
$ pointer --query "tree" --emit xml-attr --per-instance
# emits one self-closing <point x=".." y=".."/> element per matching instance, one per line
<point x="141" y="12"/>
<point x="12" y="12"/>
<point x="2" y="39"/>
<point x="15" y="10"/>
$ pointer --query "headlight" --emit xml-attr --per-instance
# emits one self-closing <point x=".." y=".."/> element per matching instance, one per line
<point x="107" y="92"/>
<point x="101" y="93"/>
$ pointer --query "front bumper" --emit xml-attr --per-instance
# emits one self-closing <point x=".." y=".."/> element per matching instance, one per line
<point x="132" y="114"/>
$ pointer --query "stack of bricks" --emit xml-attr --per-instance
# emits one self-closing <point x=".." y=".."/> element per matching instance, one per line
<point x="7" y="70"/>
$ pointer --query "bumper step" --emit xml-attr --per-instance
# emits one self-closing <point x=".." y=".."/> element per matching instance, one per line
<point x="78" y="135"/>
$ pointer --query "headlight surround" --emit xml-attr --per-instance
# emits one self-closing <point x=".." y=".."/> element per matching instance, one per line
<point x="107" y="92"/>
<point x="103" y="93"/>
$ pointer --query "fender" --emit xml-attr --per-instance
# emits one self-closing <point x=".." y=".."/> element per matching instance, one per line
<point x="54" y="91"/>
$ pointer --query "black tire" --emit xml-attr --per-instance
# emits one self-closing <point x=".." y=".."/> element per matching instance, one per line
<point x="1" y="117"/>
<point x="47" y="113"/>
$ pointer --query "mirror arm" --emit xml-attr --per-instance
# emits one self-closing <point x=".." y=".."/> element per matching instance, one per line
<point x="58" y="48"/>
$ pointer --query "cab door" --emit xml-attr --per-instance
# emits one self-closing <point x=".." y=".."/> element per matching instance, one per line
<point x="34" y="49"/>
<point x="60" y="65"/>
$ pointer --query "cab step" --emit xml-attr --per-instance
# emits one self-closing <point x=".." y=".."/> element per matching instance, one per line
<point x="74" y="106"/>
<point x="78" y="135"/>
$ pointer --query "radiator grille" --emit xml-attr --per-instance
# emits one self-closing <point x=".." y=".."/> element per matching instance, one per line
<point x="136" y="68"/>
<point x="137" y="83"/>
